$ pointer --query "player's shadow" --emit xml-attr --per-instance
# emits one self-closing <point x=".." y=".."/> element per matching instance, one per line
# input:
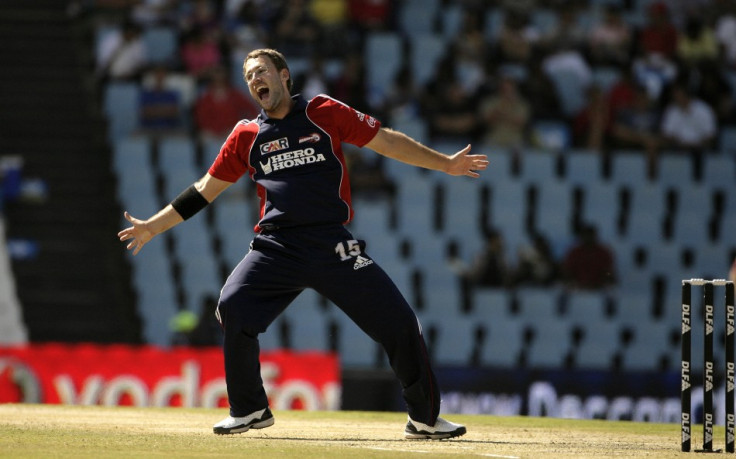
<point x="393" y="440"/>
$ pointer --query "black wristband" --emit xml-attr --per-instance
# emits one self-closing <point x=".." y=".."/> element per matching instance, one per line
<point x="189" y="202"/>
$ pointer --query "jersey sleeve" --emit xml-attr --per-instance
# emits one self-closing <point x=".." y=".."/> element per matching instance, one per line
<point x="353" y="126"/>
<point x="233" y="160"/>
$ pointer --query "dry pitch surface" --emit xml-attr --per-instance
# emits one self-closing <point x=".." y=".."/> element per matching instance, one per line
<point x="54" y="431"/>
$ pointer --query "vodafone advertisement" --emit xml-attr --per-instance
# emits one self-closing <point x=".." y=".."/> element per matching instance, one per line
<point x="89" y="374"/>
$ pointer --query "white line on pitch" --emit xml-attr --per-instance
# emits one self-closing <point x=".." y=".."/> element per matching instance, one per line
<point x="425" y="452"/>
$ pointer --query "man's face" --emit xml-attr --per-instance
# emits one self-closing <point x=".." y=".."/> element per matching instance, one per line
<point x="267" y="85"/>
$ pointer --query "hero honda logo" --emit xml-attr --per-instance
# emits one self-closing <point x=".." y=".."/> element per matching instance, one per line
<point x="275" y="145"/>
<point x="290" y="159"/>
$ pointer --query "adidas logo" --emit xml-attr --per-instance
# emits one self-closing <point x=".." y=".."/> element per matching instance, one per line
<point x="362" y="262"/>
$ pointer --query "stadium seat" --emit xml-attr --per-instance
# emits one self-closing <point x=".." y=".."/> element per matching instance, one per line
<point x="162" y="44"/>
<point x="156" y="297"/>
<point x="426" y="51"/>
<point x="508" y="212"/>
<point x="691" y="228"/>
<point x="356" y="349"/>
<point x="582" y="167"/>
<point x="586" y="306"/>
<point x="418" y="17"/>
<point x="234" y="219"/>
<point x="538" y="165"/>
<point x="308" y="322"/>
<point x="461" y="210"/>
<point x="719" y="170"/>
<point x="628" y="168"/>
<point x="551" y="343"/>
<point x="650" y="343"/>
<point x="490" y="300"/>
<point x="552" y="136"/>
<point x="601" y="341"/>
<point x="674" y="170"/>
<point x="120" y="106"/>
<point x="727" y="140"/>
<point x="601" y="208"/>
<point x="493" y="23"/>
<point x="553" y="214"/>
<point x="177" y="165"/>
<point x="452" y="20"/>
<point x="538" y="303"/>
<point x="455" y="339"/>
<point x="415" y="200"/>
<point x="503" y="342"/>
<point x="384" y="57"/>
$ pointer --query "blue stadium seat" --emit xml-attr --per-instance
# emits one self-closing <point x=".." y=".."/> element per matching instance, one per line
<point x="600" y="207"/>
<point x="426" y="51"/>
<point x="538" y="303"/>
<point x="628" y="167"/>
<point x="308" y="322"/>
<point x="162" y="44"/>
<point x="551" y="343"/>
<point x="582" y="167"/>
<point x="719" y="170"/>
<point x="554" y="214"/>
<point x="584" y="306"/>
<point x="356" y="349"/>
<point x="651" y="342"/>
<point x="156" y="298"/>
<point x="120" y="106"/>
<point x="599" y="344"/>
<point x="503" y="342"/>
<point x="417" y="17"/>
<point x="177" y="165"/>
<point x="675" y="170"/>
<point x="727" y="140"/>
<point x="537" y="165"/>
<point x="383" y="57"/>
<point x="551" y="135"/>
<point x="455" y="338"/>
<point x="508" y="210"/>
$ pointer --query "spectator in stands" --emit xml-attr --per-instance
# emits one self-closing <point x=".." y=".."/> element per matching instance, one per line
<point x="636" y="126"/>
<point x="449" y="109"/>
<point x="221" y="106"/>
<point x="518" y="37"/>
<point x="350" y="85"/>
<point x="160" y="108"/>
<point x="202" y="16"/>
<point x="567" y="33"/>
<point x="200" y="54"/>
<point x="471" y="49"/>
<point x="710" y="84"/>
<point x="592" y="124"/>
<point x="506" y="115"/>
<point x="696" y="43"/>
<point x="659" y="35"/>
<point x="332" y="17"/>
<point x="490" y="267"/>
<point x="402" y="97"/>
<point x="621" y="95"/>
<point x="725" y="30"/>
<point x="313" y="81"/>
<point x="654" y="71"/>
<point x="611" y="39"/>
<point x="540" y="91"/>
<point x="370" y="15"/>
<point x="122" y="55"/>
<point x="537" y="264"/>
<point x="688" y="123"/>
<point x="589" y="264"/>
<point x="296" y="32"/>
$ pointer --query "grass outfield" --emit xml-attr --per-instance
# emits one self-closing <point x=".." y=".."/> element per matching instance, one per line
<point x="40" y="431"/>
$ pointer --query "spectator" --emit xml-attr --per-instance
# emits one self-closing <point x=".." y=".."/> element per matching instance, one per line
<point x="537" y="264"/>
<point x="402" y="97"/>
<point x="332" y="17"/>
<point x="313" y="81"/>
<point x="589" y="264"/>
<point x="621" y="95"/>
<point x="636" y="126"/>
<point x="725" y="31"/>
<point x="122" y="55"/>
<point x="470" y="48"/>
<point x="696" y="43"/>
<point x="688" y="123"/>
<point x="611" y="39"/>
<point x="566" y="33"/>
<point x="655" y="72"/>
<point x="221" y="106"/>
<point x="160" y="108"/>
<point x="350" y="85"/>
<point x="517" y="38"/>
<point x="370" y="15"/>
<point x="449" y="109"/>
<point x="489" y="268"/>
<point x="592" y="124"/>
<point x="296" y="32"/>
<point x="659" y="35"/>
<point x="710" y="84"/>
<point x="200" y="54"/>
<point x="539" y="89"/>
<point x="506" y="116"/>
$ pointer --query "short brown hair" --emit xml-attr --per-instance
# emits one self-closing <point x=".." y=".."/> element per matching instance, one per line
<point x="278" y="59"/>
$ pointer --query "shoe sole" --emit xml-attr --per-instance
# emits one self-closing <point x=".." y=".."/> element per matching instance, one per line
<point x="434" y="436"/>
<point x="244" y="428"/>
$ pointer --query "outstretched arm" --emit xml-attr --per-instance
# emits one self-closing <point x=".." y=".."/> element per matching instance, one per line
<point x="143" y="231"/>
<point x="401" y="147"/>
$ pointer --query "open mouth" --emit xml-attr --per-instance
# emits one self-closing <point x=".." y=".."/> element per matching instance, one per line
<point x="262" y="93"/>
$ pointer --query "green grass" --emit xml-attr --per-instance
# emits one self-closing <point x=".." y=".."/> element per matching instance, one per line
<point x="55" y="431"/>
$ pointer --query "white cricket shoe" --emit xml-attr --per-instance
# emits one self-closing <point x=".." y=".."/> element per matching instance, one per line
<point x="257" y="420"/>
<point x="442" y="429"/>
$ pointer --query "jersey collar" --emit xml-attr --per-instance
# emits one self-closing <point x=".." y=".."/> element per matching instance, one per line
<point x="299" y="106"/>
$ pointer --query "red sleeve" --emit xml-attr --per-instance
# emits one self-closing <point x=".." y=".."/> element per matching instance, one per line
<point x="233" y="160"/>
<point x="352" y="126"/>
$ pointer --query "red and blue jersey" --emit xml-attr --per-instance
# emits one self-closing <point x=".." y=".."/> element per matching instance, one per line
<point x="297" y="162"/>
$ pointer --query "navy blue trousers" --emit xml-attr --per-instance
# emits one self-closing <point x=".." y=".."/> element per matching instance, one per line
<point x="281" y="264"/>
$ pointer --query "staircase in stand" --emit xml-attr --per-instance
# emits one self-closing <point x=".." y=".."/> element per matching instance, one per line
<point x="78" y="287"/>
